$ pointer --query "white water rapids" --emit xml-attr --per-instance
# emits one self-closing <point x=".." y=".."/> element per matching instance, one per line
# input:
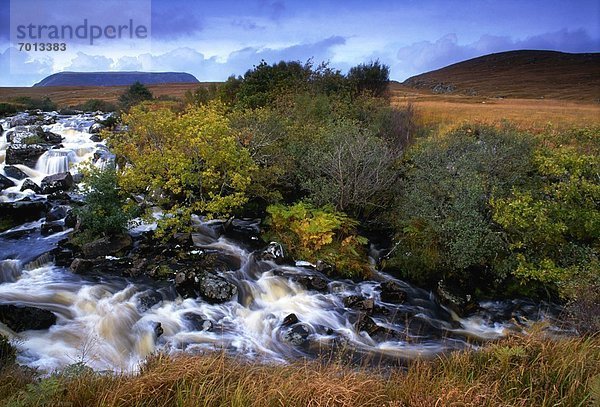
<point x="103" y="319"/>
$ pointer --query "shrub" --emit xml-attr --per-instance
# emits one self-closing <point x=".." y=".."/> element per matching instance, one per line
<point x="188" y="162"/>
<point x="443" y="217"/>
<point x="93" y="105"/>
<point x="8" y="108"/>
<point x="28" y="103"/>
<point x="315" y="234"/>
<point x="105" y="211"/>
<point x="135" y="94"/>
<point x="373" y="77"/>
<point x="8" y="353"/>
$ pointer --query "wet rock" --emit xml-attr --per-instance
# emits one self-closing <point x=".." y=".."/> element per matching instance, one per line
<point x="323" y="267"/>
<point x="5" y="183"/>
<point x="297" y="335"/>
<point x="14" y="172"/>
<point x="215" y="289"/>
<point x="185" y="284"/>
<point x="183" y="239"/>
<point x="118" y="267"/>
<point x="22" y="211"/>
<point x="50" y="228"/>
<point x="148" y="300"/>
<point x="392" y="292"/>
<point x="29" y="184"/>
<point x="22" y="119"/>
<point x="57" y="213"/>
<point x="158" y="329"/>
<point x="274" y="251"/>
<point x="243" y="229"/>
<point x="30" y="135"/>
<point x="461" y="304"/>
<point x="366" y="324"/>
<point x="291" y="319"/>
<point x="95" y="138"/>
<point x="22" y="318"/>
<point x="70" y="219"/>
<point x="312" y="282"/>
<point x="57" y="183"/>
<point x="359" y="303"/>
<point x="96" y="128"/>
<point x="197" y="322"/>
<point x="24" y="154"/>
<point x="107" y="246"/>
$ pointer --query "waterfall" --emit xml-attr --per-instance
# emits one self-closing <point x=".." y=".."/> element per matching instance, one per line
<point x="10" y="270"/>
<point x="55" y="161"/>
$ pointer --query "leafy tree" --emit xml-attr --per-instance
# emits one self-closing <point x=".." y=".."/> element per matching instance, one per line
<point x="373" y="77"/>
<point x="315" y="234"/>
<point x="105" y="211"/>
<point x="443" y="216"/>
<point x="135" y="94"/>
<point x="93" y="105"/>
<point x="185" y="163"/>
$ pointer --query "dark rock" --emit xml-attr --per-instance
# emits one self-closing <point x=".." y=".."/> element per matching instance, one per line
<point x="57" y="182"/>
<point x="359" y="303"/>
<point x="96" y="128"/>
<point x="22" y="211"/>
<point x="29" y="184"/>
<point x="462" y="305"/>
<point x="274" y="251"/>
<point x="197" y="322"/>
<point x="28" y="135"/>
<point x="50" y="228"/>
<point x="323" y="267"/>
<point x="25" y="154"/>
<point x="5" y="183"/>
<point x="77" y="178"/>
<point x="215" y="289"/>
<point x="158" y="329"/>
<point x="22" y="318"/>
<point x="291" y="319"/>
<point x="183" y="239"/>
<point x="118" y="267"/>
<point x="70" y="219"/>
<point x="95" y="138"/>
<point x="392" y="292"/>
<point x="367" y="324"/>
<point x="312" y="282"/>
<point x="106" y="246"/>
<point x="22" y="119"/>
<point x="297" y="335"/>
<point x="56" y="213"/>
<point x="14" y="172"/>
<point x="18" y="234"/>
<point x="148" y="300"/>
<point x="186" y="284"/>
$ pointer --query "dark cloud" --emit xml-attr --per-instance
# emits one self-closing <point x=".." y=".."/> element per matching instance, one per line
<point x="247" y="24"/>
<point x="173" y="20"/>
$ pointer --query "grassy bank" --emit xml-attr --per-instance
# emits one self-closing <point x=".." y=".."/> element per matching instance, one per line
<point x="530" y="370"/>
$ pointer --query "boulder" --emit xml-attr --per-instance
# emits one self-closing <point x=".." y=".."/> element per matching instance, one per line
<point x="460" y="303"/>
<point x="50" y="228"/>
<point x="22" y="119"/>
<point x="148" y="300"/>
<point x="157" y="329"/>
<point x="29" y="184"/>
<point x="359" y="303"/>
<point x="215" y="289"/>
<point x="5" y="183"/>
<point x="22" y="211"/>
<point x="25" y="154"/>
<point x="392" y="292"/>
<point x="57" y="182"/>
<point x="117" y="267"/>
<point x="273" y="252"/>
<point x="57" y="213"/>
<point x="291" y="319"/>
<point x="70" y="219"/>
<point x="312" y="282"/>
<point x="106" y="246"/>
<point x="23" y="318"/>
<point x="366" y="324"/>
<point x="196" y="322"/>
<point x="32" y="135"/>
<point x="14" y="172"/>
<point x="296" y="335"/>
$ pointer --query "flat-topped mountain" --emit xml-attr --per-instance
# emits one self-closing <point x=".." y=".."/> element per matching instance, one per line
<point x="518" y="74"/>
<point x="115" y="78"/>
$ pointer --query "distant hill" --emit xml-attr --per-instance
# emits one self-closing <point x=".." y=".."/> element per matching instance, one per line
<point x="518" y="74"/>
<point x="115" y="78"/>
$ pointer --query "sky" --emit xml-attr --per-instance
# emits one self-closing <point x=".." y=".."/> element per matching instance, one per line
<point x="215" y="39"/>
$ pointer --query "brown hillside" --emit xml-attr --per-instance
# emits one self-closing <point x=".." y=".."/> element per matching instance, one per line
<point x="518" y="74"/>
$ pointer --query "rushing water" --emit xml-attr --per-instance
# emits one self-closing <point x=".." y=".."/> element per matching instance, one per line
<point x="104" y="320"/>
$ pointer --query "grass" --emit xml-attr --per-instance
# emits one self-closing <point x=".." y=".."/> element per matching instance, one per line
<point x="518" y="371"/>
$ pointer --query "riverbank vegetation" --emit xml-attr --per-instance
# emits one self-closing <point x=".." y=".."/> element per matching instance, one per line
<point x="520" y="370"/>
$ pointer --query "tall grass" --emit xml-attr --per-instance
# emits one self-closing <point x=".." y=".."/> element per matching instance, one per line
<point x="531" y="370"/>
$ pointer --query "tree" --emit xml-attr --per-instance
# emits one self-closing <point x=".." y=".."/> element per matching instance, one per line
<point x="135" y="94"/>
<point x="186" y="163"/>
<point x="373" y="77"/>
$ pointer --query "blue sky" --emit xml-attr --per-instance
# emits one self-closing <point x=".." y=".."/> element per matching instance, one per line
<point x="214" y="39"/>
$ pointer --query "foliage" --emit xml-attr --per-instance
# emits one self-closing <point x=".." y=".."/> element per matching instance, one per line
<point x="553" y="224"/>
<point x="8" y="108"/>
<point x="372" y="77"/>
<point x="350" y="169"/>
<point x="136" y="93"/>
<point x="8" y="353"/>
<point x="324" y="234"/>
<point x="28" y="103"/>
<point x="443" y="216"/>
<point x="185" y="163"/>
<point x="105" y="211"/>
<point x="93" y="105"/>
<point x="202" y="95"/>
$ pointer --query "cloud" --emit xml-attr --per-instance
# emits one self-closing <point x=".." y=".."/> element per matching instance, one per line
<point x="17" y="69"/>
<point x="86" y="63"/>
<point x="247" y="24"/>
<point x="173" y="20"/>
<point x="425" y="56"/>
<point x="274" y="9"/>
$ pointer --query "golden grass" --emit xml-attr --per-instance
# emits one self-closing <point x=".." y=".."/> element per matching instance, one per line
<point x="531" y="370"/>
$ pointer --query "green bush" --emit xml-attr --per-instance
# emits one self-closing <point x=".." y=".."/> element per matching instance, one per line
<point x="314" y="234"/>
<point x="9" y="108"/>
<point x="105" y="211"/>
<point x="373" y="78"/>
<point x="29" y="103"/>
<point x="93" y="105"/>
<point x="443" y="216"/>
<point x="135" y="94"/>
<point x="8" y="353"/>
